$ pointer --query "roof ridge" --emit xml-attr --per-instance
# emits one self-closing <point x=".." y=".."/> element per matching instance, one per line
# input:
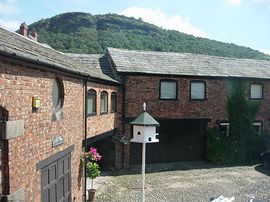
<point x="182" y="53"/>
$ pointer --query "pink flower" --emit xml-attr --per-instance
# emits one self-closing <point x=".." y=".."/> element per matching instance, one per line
<point x="93" y="154"/>
<point x="93" y="150"/>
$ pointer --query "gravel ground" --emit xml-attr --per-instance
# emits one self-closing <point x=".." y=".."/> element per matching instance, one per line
<point x="187" y="181"/>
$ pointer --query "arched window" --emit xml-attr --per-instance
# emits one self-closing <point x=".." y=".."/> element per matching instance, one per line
<point x="91" y="102"/>
<point x="104" y="102"/>
<point x="113" y="102"/>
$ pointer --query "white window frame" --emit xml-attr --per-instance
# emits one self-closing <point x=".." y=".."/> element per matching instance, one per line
<point x="227" y="126"/>
<point x="255" y="95"/>
<point x="161" y="90"/>
<point x="260" y="124"/>
<point x="192" y="92"/>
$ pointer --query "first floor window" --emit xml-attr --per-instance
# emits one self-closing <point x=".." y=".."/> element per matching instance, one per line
<point x="113" y="102"/>
<point x="256" y="91"/>
<point x="91" y="102"/>
<point x="197" y="90"/>
<point x="104" y="102"/>
<point x="257" y="127"/>
<point x="57" y="95"/>
<point x="224" y="128"/>
<point x="168" y="90"/>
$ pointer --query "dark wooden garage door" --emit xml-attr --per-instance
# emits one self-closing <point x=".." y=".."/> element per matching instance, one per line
<point x="55" y="181"/>
<point x="179" y="140"/>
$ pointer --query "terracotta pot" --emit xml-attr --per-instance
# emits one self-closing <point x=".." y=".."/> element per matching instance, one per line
<point x="91" y="194"/>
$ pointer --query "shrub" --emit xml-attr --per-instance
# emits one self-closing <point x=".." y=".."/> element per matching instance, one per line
<point x="215" y="146"/>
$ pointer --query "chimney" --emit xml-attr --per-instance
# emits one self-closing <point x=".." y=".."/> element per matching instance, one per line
<point x="24" y="29"/>
<point x="34" y="34"/>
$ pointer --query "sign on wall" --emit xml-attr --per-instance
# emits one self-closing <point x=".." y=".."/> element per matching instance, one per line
<point x="58" y="140"/>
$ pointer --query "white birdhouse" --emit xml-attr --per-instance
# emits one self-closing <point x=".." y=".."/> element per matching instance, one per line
<point x="144" y="129"/>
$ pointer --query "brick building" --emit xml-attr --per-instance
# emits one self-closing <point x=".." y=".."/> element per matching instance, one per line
<point x="41" y="147"/>
<point x="92" y="98"/>
<point x="186" y="93"/>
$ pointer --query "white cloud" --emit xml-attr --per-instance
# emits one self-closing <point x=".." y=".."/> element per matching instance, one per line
<point x="10" y="25"/>
<point x="233" y="2"/>
<point x="265" y="2"/>
<point x="8" y="6"/>
<point x="266" y="51"/>
<point x="158" y="18"/>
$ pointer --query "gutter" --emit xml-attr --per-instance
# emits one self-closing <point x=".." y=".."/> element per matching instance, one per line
<point x="123" y="114"/>
<point x="85" y="135"/>
<point x="192" y="75"/>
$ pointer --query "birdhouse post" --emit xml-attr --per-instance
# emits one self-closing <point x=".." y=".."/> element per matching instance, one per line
<point x="144" y="131"/>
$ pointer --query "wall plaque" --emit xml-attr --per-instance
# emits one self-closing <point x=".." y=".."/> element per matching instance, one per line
<point x="58" y="140"/>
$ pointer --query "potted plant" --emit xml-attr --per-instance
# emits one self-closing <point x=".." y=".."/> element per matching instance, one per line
<point x="92" y="169"/>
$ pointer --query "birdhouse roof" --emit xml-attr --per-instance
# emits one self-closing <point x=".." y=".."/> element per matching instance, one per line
<point x="145" y="119"/>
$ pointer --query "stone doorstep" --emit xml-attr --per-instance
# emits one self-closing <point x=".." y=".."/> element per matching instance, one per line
<point x="17" y="196"/>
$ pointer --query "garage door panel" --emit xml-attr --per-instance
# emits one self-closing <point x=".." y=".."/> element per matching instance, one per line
<point x="66" y="184"/>
<point x="45" y="178"/>
<point x="53" y="172"/>
<point x="179" y="140"/>
<point x="55" y="181"/>
<point x="46" y="195"/>
<point x="197" y="141"/>
<point x="158" y="152"/>
<point x="53" y="193"/>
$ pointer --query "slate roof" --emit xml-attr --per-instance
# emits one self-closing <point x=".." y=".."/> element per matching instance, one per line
<point x="15" y="45"/>
<point x="99" y="64"/>
<point x="187" y="64"/>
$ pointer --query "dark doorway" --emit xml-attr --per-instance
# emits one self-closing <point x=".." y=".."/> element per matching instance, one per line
<point x="179" y="140"/>
<point x="106" y="148"/>
<point x="4" y="168"/>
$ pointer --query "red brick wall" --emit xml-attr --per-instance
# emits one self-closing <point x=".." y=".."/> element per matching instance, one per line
<point x="141" y="89"/>
<point x="18" y="85"/>
<point x="101" y="123"/>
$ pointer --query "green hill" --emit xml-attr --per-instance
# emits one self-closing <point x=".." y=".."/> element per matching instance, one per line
<point x="85" y="33"/>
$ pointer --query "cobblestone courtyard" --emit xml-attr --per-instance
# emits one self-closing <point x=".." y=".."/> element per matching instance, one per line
<point x="192" y="181"/>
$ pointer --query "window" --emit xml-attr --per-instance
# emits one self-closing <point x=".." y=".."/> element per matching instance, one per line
<point x="113" y="102"/>
<point x="104" y="102"/>
<point x="168" y="90"/>
<point x="224" y="128"/>
<point x="197" y="90"/>
<point x="57" y="95"/>
<point x="257" y="127"/>
<point x="91" y="102"/>
<point x="256" y="91"/>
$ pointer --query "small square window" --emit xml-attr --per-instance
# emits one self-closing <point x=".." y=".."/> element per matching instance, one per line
<point x="168" y="90"/>
<point x="256" y="91"/>
<point x="224" y="128"/>
<point x="197" y="90"/>
<point x="257" y="127"/>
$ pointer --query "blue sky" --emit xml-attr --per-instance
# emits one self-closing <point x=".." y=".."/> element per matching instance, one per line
<point x="243" y="22"/>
